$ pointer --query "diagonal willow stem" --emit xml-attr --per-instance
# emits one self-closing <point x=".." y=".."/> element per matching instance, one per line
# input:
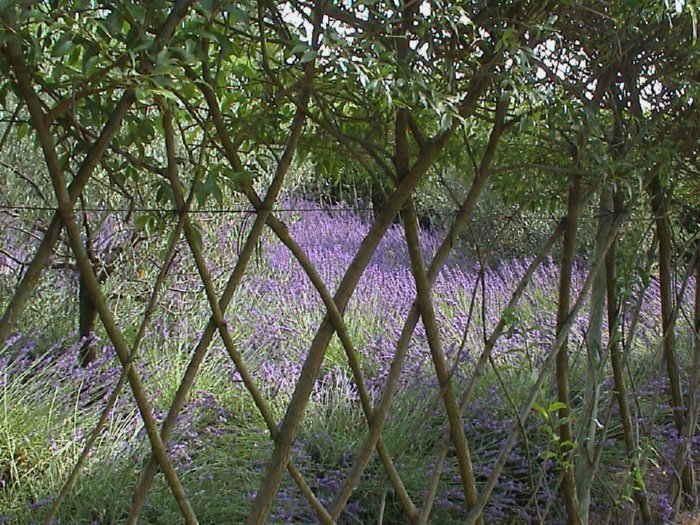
<point x="636" y="463"/>
<point x="281" y="231"/>
<point x="312" y="364"/>
<point x="341" y="329"/>
<point x="147" y="315"/>
<point x="430" y="150"/>
<point x="639" y="457"/>
<point x="485" y="355"/>
<point x="48" y="243"/>
<point x="620" y="392"/>
<point x="93" y="288"/>
<point x="627" y="347"/>
<point x="200" y="350"/>
<point x="230" y="152"/>
<point x="391" y="385"/>
<point x="566" y="268"/>
<point x="244" y="257"/>
<point x="427" y="313"/>
<point x="297" y="407"/>
<point x="683" y="449"/>
<point x="217" y="314"/>
<point x="562" y="335"/>
<point x="433" y="485"/>
<point x="117" y="339"/>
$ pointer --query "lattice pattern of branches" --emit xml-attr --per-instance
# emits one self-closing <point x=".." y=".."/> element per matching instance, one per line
<point x="414" y="154"/>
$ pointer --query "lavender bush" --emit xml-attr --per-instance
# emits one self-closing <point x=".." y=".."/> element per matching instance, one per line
<point x="49" y="404"/>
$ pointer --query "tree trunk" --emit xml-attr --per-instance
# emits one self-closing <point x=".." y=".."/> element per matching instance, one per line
<point x="562" y="360"/>
<point x="659" y="207"/>
<point x="87" y="322"/>
<point x="683" y="460"/>
<point x="615" y="338"/>
<point x="585" y="461"/>
<point x="378" y="196"/>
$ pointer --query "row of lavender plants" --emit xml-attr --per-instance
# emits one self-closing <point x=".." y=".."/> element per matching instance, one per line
<point x="49" y="404"/>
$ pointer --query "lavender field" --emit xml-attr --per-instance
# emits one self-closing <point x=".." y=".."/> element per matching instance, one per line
<point x="49" y="405"/>
<point x="349" y="262"/>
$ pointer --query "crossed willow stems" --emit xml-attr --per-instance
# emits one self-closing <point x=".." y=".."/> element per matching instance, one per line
<point x="408" y="178"/>
<point x="265" y="216"/>
<point x="281" y="231"/>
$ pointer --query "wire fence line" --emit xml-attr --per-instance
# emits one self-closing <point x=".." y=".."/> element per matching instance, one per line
<point x="100" y="209"/>
<point x="322" y="208"/>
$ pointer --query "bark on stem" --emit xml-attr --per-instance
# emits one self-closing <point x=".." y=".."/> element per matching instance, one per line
<point x="660" y="210"/>
<point x="585" y="461"/>
<point x="659" y="207"/>
<point x="239" y="270"/>
<point x="429" y="153"/>
<point x="683" y="449"/>
<point x="427" y="313"/>
<point x="123" y="353"/>
<point x="615" y="338"/>
<point x="65" y="214"/>
<point x="93" y="288"/>
<point x="382" y="408"/>
<point x="48" y="243"/>
<point x="282" y="233"/>
<point x="297" y="407"/>
<point x="148" y="312"/>
<point x="484" y="359"/>
<point x="217" y="314"/>
<point x="534" y="391"/>
<point x="234" y="281"/>
<point x="562" y="359"/>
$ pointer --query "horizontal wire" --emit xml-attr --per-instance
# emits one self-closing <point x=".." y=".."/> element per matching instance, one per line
<point x="173" y="210"/>
<point x="226" y="211"/>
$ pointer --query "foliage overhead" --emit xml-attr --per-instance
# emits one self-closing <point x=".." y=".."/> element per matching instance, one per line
<point x="497" y="111"/>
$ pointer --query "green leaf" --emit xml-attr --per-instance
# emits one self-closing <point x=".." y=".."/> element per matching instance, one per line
<point x="161" y="92"/>
<point x="237" y="14"/>
<point x="22" y="129"/>
<point x="165" y="193"/>
<point x="300" y="48"/>
<point x="239" y="176"/>
<point x="63" y="45"/>
<point x="137" y="11"/>
<point x="89" y="64"/>
<point x="540" y="410"/>
<point x="308" y="56"/>
<point x="200" y="192"/>
<point x="141" y="222"/>
<point x="207" y="6"/>
<point x="508" y="316"/>
<point x="114" y="23"/>
<point x="556" y="406"/>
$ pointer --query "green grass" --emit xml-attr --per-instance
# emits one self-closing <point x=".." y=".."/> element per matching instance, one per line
<point x="221" y="444"/>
